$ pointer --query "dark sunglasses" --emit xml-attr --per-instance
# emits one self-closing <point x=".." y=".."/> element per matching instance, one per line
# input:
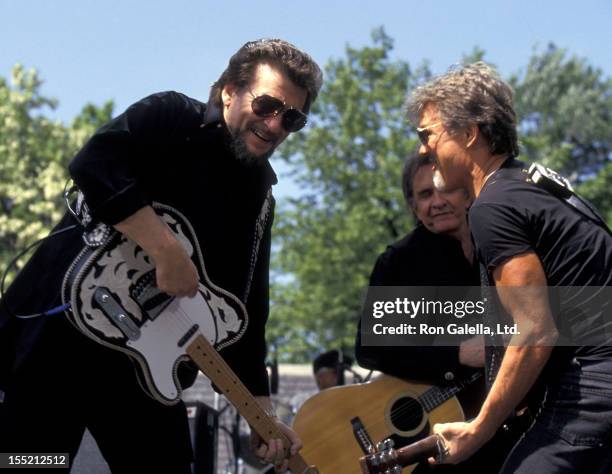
<point x="266" y="106"/>
<point x="424" y="132"/>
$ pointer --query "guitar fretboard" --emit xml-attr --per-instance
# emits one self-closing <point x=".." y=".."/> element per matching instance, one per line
<point x="216" y="369"/>
<point x="436" y="396"/>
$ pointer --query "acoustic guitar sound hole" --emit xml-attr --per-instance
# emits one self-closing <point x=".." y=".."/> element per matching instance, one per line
<point x="406" y="414"/>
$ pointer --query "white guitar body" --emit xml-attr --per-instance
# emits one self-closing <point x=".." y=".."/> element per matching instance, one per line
<point x="114" y="301"/>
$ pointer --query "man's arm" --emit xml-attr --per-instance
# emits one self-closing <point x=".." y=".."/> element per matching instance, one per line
<point x="521" y="286"/>
<point x="175" y="273"/>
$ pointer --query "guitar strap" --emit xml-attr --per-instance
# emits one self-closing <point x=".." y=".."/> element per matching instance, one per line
<point x="494" y="343"/>
<point x="261" y="224"/>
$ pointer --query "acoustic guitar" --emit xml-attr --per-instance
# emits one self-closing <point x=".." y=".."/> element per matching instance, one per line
<point x="340" y="425"/>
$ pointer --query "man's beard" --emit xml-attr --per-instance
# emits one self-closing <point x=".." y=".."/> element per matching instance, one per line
<point x="241" y="152"/>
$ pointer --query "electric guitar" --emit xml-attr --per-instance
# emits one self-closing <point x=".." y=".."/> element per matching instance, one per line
<point x="113" y="300"/>
<point x="341" y="424"/>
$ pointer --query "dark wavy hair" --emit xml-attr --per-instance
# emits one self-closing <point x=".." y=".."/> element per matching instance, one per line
<point x="297" y="65"/>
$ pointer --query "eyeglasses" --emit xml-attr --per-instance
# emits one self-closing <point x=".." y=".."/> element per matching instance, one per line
<point x="423" y="132"/>
<point x="266" y="106"/>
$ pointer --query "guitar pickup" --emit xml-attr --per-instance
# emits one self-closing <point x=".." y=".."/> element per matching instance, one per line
<point x="113" y="310"/>
<point x="151" y="300"/>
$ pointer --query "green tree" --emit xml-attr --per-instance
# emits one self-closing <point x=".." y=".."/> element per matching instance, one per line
<point x="565" y="108"/>
<point x="34" y="152"/>
<point x="349" y="163"/>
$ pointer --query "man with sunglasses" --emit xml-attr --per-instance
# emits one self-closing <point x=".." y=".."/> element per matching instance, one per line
<point x="209" y="161"/>
<point x="437" y="253"/>
<point x="548" y="255"/>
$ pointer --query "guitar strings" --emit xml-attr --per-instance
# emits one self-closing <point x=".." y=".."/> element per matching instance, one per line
<point x="413" y="419"/>
<point x="260" y="419"/>
<point x="182" y="322"/>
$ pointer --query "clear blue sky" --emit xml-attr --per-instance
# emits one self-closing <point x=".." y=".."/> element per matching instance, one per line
<point x="92" y="50"/>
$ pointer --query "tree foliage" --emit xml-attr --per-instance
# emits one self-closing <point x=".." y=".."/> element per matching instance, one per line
<point x="565" y="110"/>
<point x="350" y="160"/>
<point x="34" y="153"/>
<point x="349" y="163"/>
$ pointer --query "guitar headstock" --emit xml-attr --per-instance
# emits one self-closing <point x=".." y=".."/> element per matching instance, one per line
<point x="386" y="460"/>
<point x="383" y="460"/>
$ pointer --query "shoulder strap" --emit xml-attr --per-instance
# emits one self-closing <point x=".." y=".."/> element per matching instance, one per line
<point x="557" y="185"/>
<point x="494" y="344"/>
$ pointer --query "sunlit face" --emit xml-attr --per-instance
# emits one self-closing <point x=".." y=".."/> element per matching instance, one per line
<point x="255" y="138"/>
<point x="326" y="378"/>
<point x="448" y="151"/>
<point x="441" y="212"/>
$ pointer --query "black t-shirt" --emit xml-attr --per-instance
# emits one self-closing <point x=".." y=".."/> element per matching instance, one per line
<point x="171" y="149"/>
<point x="512" y="216"/>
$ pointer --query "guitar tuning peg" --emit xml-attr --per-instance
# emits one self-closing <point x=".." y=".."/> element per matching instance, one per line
<point x="389" y="443"/>
<point x="394" y="470"/>
<point x="374" y="460"/>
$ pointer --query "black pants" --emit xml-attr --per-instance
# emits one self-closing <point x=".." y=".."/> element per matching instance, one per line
<point x="572" y="432"/>
<point x="69" y="383"/>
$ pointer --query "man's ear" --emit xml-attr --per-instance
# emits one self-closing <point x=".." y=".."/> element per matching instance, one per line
<point x="472" y="133"/>
<point x="228" y="91"/>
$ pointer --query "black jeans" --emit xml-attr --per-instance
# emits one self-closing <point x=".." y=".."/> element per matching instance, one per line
<point x="69" y="383"/>
<point x="572" y="432"/>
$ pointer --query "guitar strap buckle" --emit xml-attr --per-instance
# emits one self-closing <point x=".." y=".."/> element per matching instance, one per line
<point x="94" y="233"/>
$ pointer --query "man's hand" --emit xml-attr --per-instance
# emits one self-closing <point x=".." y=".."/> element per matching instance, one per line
<point x="472" y="353"/>
<point x="461" y="441"/>
<point x="174" y="271"/>
<point x="274" y="453"/>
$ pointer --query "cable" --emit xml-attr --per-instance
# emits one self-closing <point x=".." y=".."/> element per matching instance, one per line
<point x="13" y="262"/>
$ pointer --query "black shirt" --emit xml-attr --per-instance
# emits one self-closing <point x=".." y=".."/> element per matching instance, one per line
<point x="171" y="149"/>
<point x="512" y="216"/>
<point x="421" y="258"/>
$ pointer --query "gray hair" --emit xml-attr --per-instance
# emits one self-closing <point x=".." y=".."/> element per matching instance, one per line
<point x="471" y="94"/>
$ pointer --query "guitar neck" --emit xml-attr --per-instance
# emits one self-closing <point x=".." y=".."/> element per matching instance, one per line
<point x="389" y="460"/>
<point x="436" y="396"/>
<point x="216" y="369"/>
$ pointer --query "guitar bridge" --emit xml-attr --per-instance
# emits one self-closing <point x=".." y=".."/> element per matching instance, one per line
<point x="362" y="436"/>
<point x="113" y="310"/>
